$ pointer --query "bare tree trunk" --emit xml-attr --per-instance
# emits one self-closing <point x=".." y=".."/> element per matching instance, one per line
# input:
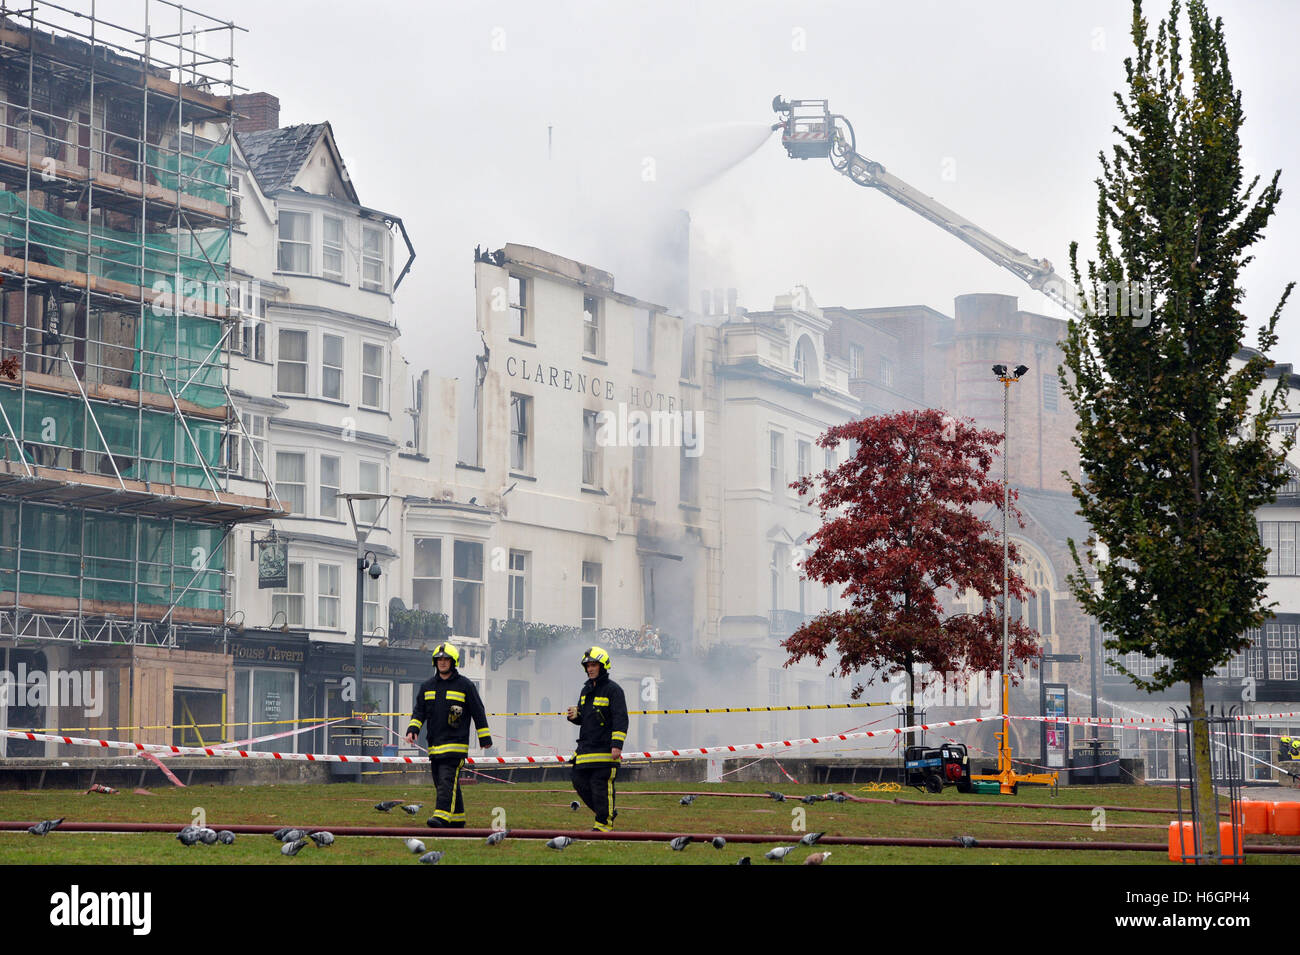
<point x="1204" y="778"/>
<point x="910" y="718"/>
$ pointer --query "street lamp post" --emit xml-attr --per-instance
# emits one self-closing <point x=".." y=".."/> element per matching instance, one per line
<point x="1006" y="774"/>
<point x="366" y="563"/>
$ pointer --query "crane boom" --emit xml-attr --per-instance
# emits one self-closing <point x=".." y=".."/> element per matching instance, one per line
<point x="811" y="131"/>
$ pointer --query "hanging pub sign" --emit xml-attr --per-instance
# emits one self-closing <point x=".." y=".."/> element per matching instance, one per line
<point x="272" y="564"/>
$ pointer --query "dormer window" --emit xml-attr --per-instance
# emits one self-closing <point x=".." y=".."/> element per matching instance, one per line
<point x="374" y="259"/>
<point x="295" y="242"/>
<point x="332" y="248"/>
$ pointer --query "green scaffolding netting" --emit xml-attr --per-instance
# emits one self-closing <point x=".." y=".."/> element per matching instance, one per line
<point x="70" y="552"/>
<point x="204" y="175"/>
<point x="180" y="349"/>
<point x="146" y="444"/>
<point x="156" y="260"/>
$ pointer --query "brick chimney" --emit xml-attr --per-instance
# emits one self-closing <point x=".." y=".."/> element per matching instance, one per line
<point x="261" y="109"/>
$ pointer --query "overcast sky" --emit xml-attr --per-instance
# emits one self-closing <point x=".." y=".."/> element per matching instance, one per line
<point x="997" y="109"/>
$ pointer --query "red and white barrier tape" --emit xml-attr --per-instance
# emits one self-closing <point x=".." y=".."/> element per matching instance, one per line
<point x="477" y="760"/>
<point x="271" y="736"/>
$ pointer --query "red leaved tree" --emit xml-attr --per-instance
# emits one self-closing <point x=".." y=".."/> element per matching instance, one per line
<point x="898" y="528"/>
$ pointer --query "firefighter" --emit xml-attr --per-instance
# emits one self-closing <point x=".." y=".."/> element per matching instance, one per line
<point x="601" y="715"/>
<point x="1284" y="748"/>
<point x="444" y="706"/>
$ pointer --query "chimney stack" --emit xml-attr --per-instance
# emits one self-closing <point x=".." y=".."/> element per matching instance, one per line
<point x="256" y="111"/>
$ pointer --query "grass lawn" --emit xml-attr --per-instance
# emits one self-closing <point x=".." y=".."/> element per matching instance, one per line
<point x="645" y="807"/>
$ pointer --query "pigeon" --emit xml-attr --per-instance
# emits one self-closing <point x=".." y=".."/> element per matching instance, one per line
<point x="743" y="860"/>
<point x="811" y="839"/>
<point x="779" y="853"/>
<point x="415" y="845"/>
<point x="559" y="842"/>
<point x="498" y="837"/>
<point x="189" y="836"/>
<point x="687" y="800"/>
<point x="412" y="809"/>
<point x="41" y="828"/>
<point x="779" y="797"/>
<point x="226" y="837"/>
<point x="574" y="805"/>
<point x="967" y="842"/>
<point x="278" y="835"/>
<point x="388" y="804"/>
<point x="809" y="800"/>
<point x="840" y="797"/>
<point x="292" y="848"/>
<point x="431" y="858"/>
<point x="717" y="842"/>
<point x="293" y="835"/>
<point x="680" y="843"/>
<point x="817" y="858"/>
<point x="322" y="838"/>
<point x="208" y="836"/>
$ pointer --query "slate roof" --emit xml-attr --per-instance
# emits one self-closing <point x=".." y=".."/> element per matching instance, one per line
<point x="276" y="155"/>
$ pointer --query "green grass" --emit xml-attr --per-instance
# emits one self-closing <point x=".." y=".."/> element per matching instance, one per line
<point x="642" y="807"/>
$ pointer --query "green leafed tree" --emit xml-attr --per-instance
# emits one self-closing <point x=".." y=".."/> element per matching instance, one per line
<point x="1175" y="452"/>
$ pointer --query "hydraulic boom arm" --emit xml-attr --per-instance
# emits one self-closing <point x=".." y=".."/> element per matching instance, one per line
<point x="811" y="131"/>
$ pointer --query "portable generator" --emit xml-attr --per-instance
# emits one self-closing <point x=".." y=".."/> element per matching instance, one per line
<point x="932" y="768"/>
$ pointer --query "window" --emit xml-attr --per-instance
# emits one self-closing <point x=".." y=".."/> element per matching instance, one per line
<point x="467" y="588"/>
<point x="426" y="575"/>
<point x="590" y="597"/>
<point x="291" y="600"/>
<point x="374" y="266"/>
<point x="332" y="248"/>
<point x="372" y="376"/>
<point x="255" y="441"/>
<point x="370" y="608"/>
<point x="777" y="462"/>
<point x="857" y="361"/>
<point x="830" y="459"/>
<point x="886" y="372"/>
<point x="254" y="333"/>
<point x="327" y="596"/>
<point x="690" y="474"/>
<point x="521" y="414"/>
<point x="291" y="372"/>
<point x="519" y="324"/>
<point x="1051" y="392"/>
<point x="295" y="242"/>
<point x="517" y="598"/>
<point x="329" y="486"/>
<point x="688" y="354"/>
<point x="369" y="475"/>
<point x="331" y="375"/>
<point x="591" y="337"/>
<point x="641" y="474"/>
<point x="643" y="341"/>
<point x="590" y="450"/>
<point x="800" y="362"/>
<point x="291" y="480"/>
<point x="1280" y="539"/>
<point x="803" y="461"/>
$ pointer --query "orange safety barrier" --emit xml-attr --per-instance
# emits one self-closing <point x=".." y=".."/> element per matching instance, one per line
<point x="1187" y="844"/>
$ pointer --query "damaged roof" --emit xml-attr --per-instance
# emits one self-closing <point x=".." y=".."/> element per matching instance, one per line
<point x="276" y="155"/>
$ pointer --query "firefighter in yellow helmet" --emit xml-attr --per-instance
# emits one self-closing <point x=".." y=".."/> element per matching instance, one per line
<point x="601" y="715"/>
<point x="444" y="706"/>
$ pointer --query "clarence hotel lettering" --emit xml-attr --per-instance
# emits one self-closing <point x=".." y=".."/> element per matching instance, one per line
<point x="584" y="384"/>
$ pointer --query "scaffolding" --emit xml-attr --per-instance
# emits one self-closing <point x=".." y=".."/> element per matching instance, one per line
<point x="117" y="429"/>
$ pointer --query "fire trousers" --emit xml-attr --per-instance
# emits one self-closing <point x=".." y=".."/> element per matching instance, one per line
<point x="450" y="808"/>
<point x="594" y="783"/>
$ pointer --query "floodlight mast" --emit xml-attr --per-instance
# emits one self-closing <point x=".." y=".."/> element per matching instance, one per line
<point x="809" y="130"/>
